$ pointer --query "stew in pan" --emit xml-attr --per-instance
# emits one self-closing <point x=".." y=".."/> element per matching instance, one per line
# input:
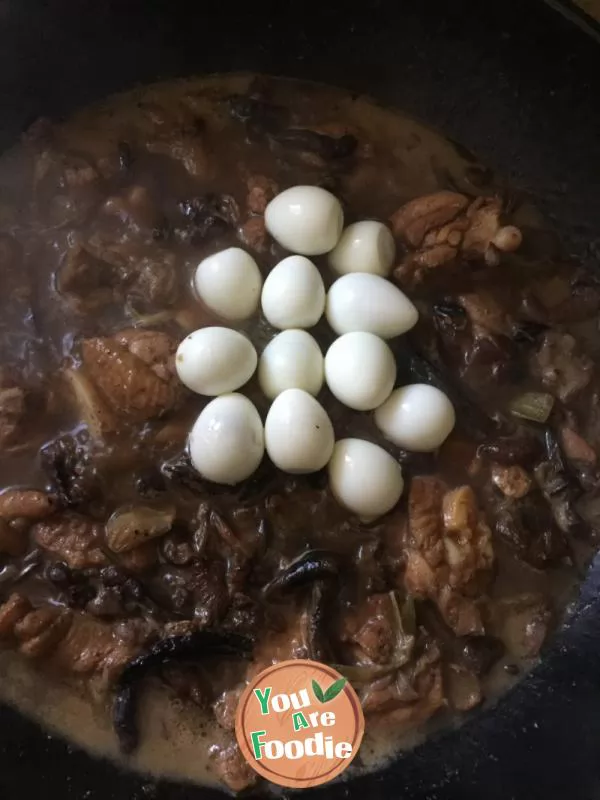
<point x="123" y="569"/>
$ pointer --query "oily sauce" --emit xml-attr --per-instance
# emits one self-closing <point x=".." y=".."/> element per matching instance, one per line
<point x="41" y="324"/>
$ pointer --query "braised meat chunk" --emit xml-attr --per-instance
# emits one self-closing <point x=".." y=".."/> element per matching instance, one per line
<point x="72" y="538"/>
<point x="133" y="373"/>
<point x="449" y="549"/>
<point x="444" y="227"/>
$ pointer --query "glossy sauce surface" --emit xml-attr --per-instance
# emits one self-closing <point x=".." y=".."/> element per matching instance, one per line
<point x="148" y="184"/>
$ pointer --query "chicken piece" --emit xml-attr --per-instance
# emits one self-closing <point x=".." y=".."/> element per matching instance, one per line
<point x="66" y="186"/>
<point x="133" y="373"/>
<point x="41" y="630"/>
<point x="424" y="503"/>
<point x="467" y="538"/>
<point x="485" y="236"/>
<point x="72" y="538"/>
<point x="27" y="503"/>
<point x="486" y="314"/>
<point x="512" y="481"/>
<point x="186" y="147"/>
<point x="13" y="409"/>
<point x="146" y="272"/>
<point x="233" y="769"/>
<point x="413" y="221"/>
<point x="12" y="612"/>
<point x="560" y="366"/>
<point x="445" y="227"/>
<point x="177" y="133"/>
<point x="88" y="148"/>
<point x="154" y="348"/>
<point x="374" y="628"/>
<point x="376" y="636"/>
<point x="419" y="577"/>
<point x="92" y="646"/>
<point x="459" y="612"/>
<point x="261" y="191"/>
<point x="87" y="282"/>
<point x="409" y="697"/>
<point x="449" y="550"/>
<point x="77" y="643"/>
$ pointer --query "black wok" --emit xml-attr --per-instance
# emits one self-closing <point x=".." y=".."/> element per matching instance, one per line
<point x="514" y="81"/>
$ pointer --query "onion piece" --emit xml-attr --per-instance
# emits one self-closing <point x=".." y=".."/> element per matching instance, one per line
<point x="131" y="526"/>
<point x="533" y="406"/>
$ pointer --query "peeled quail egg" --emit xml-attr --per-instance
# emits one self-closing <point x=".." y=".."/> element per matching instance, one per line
<point x="362" y="302"/>
<point x="229" y="283"/>
<point x="364" y="478"/>
<point x="366" y="246"/>
<point x="292" y="360"/>
<point x="305" y="219"/>
<point x="298" y="433"/>
<point x="293" y="295"/>
<point x="418" y="417"/>
<point x="226" y="443"/>
<point x="360" y="370"/>
<point x="215" y="360"/>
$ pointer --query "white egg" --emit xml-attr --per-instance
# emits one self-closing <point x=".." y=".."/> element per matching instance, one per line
<point x="294" y="294"/>
<point x="215" y="360"/>
<point x="360" y="370"/>
<point x="364" y="478"/>
<point x="229" y="283"/>
<point x="298" y="433"/>
<point x="366" y="246"/>
<point x="292" y="360"/>
<point x="226" y="443"/>
<point x="305" y="219"/>
<point x="363" y="302"/>
<point x="418" y="417"/>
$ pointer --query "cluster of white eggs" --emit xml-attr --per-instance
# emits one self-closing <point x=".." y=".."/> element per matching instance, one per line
<point x="228" y="440"/>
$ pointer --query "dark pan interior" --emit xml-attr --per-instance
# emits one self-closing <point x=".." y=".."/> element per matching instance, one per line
<point x="515" y="82"/>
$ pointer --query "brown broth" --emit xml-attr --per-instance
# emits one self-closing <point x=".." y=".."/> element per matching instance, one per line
<point x="411" y="160"/>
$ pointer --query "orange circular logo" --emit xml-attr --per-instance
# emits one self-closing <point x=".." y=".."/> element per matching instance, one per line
<point x="299" y="723"/>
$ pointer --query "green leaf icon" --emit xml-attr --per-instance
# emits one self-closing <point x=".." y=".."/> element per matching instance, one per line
<point x="318" y="692"/>
<point x="331" y="693"/>
<point x="335" y="688"/>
